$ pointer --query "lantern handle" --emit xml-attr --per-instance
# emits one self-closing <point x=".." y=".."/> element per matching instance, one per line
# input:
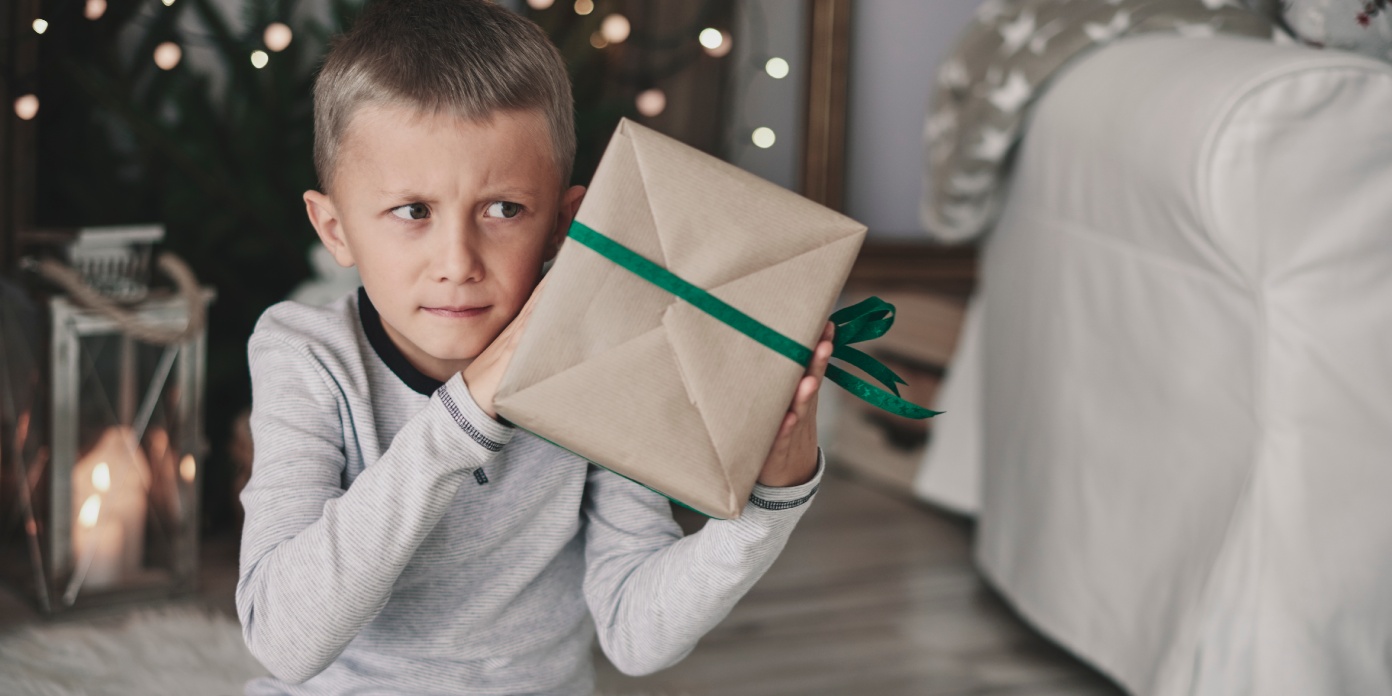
<point x="131" y="325"/>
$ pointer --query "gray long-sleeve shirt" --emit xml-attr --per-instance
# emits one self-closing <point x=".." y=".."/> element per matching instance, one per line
<point x="399" y="540"/>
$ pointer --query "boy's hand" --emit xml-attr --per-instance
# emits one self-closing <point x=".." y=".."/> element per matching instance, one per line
<point x="793" y="459"/>
<point x="485" y="373"/>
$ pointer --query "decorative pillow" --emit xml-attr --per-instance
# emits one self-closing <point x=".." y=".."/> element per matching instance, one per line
<point x="1000" y="64"/>
<point x="1361" y="26"/>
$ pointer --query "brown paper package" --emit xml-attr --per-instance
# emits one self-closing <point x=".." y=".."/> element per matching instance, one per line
<point x="626" y="375"/>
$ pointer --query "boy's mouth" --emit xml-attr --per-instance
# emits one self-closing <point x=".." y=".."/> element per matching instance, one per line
<point x="459" y="312"/>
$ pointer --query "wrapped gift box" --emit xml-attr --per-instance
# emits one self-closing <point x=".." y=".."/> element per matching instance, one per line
<point x="627" y="374"/>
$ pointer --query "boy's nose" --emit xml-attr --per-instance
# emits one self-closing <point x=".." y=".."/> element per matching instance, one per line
<point x="458" y="259"/>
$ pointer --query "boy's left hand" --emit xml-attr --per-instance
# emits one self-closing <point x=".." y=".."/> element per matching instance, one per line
<point x="793" y="459"/>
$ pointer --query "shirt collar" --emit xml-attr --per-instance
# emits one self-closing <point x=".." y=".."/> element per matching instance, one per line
<point x="388" y="352"/>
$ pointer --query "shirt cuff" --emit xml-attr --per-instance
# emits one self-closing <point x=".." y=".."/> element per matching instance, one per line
<point x="479" y="426"/>
<point x="786" y="497"/>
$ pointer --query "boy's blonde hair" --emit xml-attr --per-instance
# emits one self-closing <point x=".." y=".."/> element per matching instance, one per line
<point x="466" y="57"/>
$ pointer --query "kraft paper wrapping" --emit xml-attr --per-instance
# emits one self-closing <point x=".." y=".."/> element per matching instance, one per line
<point x="621" y="372"/>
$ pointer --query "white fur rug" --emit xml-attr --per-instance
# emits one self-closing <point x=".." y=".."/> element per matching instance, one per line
<point x="175" y="651"/>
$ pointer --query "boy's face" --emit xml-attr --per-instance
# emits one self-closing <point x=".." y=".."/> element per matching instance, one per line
<point x="448" y="222"/>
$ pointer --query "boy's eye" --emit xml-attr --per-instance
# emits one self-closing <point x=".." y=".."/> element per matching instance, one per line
<point x="504" y="209"/>
<point x="414" y="211"/>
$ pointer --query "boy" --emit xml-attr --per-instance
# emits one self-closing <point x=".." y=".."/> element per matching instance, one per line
<point x="399" y="538"/>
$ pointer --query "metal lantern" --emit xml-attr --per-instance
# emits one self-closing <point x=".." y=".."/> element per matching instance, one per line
<point x="101" y="439"/>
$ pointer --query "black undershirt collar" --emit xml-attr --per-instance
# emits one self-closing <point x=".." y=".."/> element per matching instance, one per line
<point x="382" y="344"/>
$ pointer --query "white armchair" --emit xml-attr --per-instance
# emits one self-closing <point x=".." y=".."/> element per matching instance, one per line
<point x="1173" y="409"/>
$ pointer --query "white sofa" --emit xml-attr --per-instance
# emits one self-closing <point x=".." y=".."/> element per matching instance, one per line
<point x="1172" y="410"/>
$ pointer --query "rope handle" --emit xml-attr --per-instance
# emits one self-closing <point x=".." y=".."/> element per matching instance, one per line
<point x="129" y="323"/>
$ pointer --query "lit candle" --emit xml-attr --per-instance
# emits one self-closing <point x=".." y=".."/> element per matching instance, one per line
<point x="110" y="487"/>
<point x="98" y="545"/>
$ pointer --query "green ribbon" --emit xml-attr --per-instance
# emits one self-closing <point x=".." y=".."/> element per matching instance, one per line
<point x="862" y="321"/>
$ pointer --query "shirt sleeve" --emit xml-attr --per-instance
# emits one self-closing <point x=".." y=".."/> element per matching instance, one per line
<point x="653" y="593"/>
<point x="318" y="561"/>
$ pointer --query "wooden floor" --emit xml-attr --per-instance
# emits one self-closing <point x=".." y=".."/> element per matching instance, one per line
<point x="874" y="594"/>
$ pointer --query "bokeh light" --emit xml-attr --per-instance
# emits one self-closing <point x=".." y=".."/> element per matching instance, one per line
<point x="167" y="55"/>
<point x="763" y="137"/>
<point x="40" y="26"/>
<point x="777" y="68"/>
<point x="584" y="7"/>
<point x="277" y="36"/>
<point x="651" y="102"/>
<point x="615" y="28"/>
<point x="27" y="107"/>
<point x="597" y="40"/>
<point x="259" y="59"/>
<point x="540" y="4"/>
<point x="716" y="42"/>
<point x="94" y="9"/>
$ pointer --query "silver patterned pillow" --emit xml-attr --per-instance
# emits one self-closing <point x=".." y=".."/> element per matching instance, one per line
<point x="1000" y="64"/>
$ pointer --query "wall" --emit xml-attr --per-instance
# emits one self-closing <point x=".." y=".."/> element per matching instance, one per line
<point x="896" y="46"/>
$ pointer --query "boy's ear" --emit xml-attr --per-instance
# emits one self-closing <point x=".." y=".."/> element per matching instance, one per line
<point x="325" y="218"/>
<point x="570" y="204"/>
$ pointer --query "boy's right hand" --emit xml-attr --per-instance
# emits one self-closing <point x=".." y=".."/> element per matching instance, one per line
<point x="485" y="373"/>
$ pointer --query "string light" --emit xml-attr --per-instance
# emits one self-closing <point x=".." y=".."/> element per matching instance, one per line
<point x="167" y="55"/>
<point x="259" y="59"/>
<point x="615" y="28"/>
<point x="763" y="137"/>
<point x="584" y="7"/>
<point x="27" y="107"/>
<point x="716" y="42"/>
<point x="94" y="9"/>
<point x="651" y="102"/>
<point x="777" y="68"/>
<point x="40" y="26"/>
<point x="277" y="36"/>
<point x="597" y="40"/>
<point x="540" y="4"/>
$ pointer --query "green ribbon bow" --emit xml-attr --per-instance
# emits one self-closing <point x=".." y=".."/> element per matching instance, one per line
<point x="863" y="321"/>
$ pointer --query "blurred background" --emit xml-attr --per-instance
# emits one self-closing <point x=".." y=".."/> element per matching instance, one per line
<point x="1126" y="251"/>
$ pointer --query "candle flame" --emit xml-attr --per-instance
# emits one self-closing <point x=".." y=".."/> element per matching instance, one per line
<point x="187" y="468"/>
<point x="101" y="477"/>
<point x="91" y="509"/>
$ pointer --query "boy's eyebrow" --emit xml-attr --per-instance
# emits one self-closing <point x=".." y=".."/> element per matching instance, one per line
<point x="512" y="191"/>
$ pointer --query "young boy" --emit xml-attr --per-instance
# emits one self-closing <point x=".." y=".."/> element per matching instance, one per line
<point x="399" y="538"/>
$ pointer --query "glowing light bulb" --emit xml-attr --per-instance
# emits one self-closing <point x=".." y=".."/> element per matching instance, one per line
<point x="763" y="137"/>
<point x="91" y="510"/>
<point x="615" y="28"/>
<point x="540" y="4"/>
<point x="277" y="36"/>
<point x="188" y="468"/>
<point x="27" y="107"/>
<point x="40" y="26"/>
<point x="584" y="7"/>
<point x="94" y="9"/>
<point x="651" y="102"/>
<point x="777" y="68"/>
<point x="101" y="477"/>
<point x="167" y="55"/>
<point x="259" y="59"/>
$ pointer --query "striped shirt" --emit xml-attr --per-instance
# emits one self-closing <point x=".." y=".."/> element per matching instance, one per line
<point x="399" y="540"/>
